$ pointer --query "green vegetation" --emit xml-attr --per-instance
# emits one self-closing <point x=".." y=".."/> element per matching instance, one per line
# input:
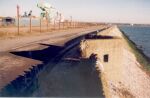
<point x="140" y="56"/>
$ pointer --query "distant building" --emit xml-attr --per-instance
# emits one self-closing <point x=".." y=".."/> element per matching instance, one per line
<point x="23" y="21"/>
<point x="6" y="21"/>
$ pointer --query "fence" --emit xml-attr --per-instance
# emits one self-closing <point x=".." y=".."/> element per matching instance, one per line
<point x="37" y="25"/>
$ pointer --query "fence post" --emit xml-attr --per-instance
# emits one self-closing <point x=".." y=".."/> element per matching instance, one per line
<point x="60" y="16"/>
<point x="40" y="26"/>
<point x="54" y="24"/>
<point x="47" y="25"/>
<point x="30" y="24"/>
<point x="47" y="20"/>
<point x="63" y="25"/>
<point x="18" y="18"/>
<point x="71" y="21"/>
<point x="59" y="24"/>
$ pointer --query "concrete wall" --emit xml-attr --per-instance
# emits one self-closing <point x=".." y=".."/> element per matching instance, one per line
<point x="101" y="47"/>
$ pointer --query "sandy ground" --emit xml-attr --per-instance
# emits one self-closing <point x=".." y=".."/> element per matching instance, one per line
<point x="135" y="80"/>
<point x="11" y="65"/>
<point x="11" y="31"/>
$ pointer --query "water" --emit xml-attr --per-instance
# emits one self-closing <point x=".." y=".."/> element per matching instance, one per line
<point x="140" y="35"/>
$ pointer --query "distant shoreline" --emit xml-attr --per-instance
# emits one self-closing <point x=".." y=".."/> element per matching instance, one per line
<point x="139" y="25"/>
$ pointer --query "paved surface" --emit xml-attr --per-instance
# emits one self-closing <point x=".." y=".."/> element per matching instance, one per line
<point x="21" y="54"/>
<point x="12" y="44"/>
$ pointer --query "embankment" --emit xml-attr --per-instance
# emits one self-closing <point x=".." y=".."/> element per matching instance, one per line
<point x="120" y="69"/>
<point x="140" y="56"/>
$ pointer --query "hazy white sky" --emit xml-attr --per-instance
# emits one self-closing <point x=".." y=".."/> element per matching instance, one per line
<point x="127" y="11"/>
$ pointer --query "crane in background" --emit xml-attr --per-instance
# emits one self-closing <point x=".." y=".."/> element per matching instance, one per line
<point x="49" y="12"/>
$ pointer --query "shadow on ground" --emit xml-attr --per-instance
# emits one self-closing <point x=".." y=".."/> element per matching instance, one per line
<point x="21" y="85"/>
<point x="70" y="78"/>
<point x="56" y="77"/>
<point x="43" y="55"/>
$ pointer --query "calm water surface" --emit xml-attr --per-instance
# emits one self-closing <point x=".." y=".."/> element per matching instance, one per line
<point x="140" y="35"/>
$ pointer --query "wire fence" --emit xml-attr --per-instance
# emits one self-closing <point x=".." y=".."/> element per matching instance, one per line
<point x="23" y="26"/>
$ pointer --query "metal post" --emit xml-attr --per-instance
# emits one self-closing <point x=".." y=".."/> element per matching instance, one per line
<point x="59" y="24"/>
<point x="30" y="24"/>
<point x="47" y="20"/>
<point x="49" y="24"/>
<point x="63" y="25"/>
<point x="71" y="21"/>
<point x="18" y="8"/>
<point x="74" y="24"/>
<point x="40" y="26"/>
<point x="54" y="24"/>
<point x="68" y="24"/>
<point x="60" y="21"/>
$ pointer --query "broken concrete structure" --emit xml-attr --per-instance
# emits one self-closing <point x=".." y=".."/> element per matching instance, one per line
<point x="109" y="49"/>
<point x="122" y="75"/>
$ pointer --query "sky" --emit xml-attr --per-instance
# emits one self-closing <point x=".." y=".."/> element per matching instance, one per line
<point x="122" y="11"/>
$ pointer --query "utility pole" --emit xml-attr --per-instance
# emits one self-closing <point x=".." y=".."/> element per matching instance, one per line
<point x="18" y="8"/>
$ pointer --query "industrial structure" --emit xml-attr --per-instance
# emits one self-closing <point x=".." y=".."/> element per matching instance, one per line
<point x="7" y="21"/>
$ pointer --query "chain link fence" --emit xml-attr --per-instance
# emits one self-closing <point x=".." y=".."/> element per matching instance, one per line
<point x="10" y="27"/>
